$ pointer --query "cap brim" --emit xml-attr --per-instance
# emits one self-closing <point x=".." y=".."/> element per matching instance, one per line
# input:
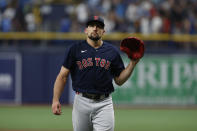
<point x="95" y="21"/>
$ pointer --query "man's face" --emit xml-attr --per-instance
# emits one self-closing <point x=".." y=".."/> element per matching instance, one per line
<point x="94" y="31"/>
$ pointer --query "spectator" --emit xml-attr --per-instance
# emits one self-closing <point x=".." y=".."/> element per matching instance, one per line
<point x="7" y="18"/>
<point x="145" y="25"/>
<point x="45" y="11"/>
<point x="82" y="13"/>
<point x="156" y="23"/>
<point x="110" y="22"/>
<point x="133" y="16"/>
<point x="65" y="24"/>
<point x="30" y="20"/>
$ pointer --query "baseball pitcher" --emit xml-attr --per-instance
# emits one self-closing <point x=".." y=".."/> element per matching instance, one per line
<point x="93" y="64"/>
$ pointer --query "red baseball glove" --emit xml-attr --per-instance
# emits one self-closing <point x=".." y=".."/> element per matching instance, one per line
<point x="133" y="47"/>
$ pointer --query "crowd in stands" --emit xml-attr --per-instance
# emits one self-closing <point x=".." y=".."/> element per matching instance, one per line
<point x="133" y="16"/>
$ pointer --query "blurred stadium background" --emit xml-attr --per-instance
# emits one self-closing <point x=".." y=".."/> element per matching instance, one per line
<point x="161" y="95"/>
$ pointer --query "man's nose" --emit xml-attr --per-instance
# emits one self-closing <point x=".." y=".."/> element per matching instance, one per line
<point x="95" y="27"/>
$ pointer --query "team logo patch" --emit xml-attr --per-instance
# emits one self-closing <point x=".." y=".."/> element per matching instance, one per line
<point x="95" y="17"/>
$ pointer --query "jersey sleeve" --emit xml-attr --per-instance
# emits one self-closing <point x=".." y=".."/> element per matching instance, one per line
<point x="117" y="65"/>
<point x="69" y="58"/>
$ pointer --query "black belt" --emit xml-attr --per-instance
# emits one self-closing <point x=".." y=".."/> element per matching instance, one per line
<point x="94" y="96"/>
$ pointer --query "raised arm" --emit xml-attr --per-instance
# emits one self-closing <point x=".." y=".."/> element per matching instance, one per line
<point x="58" y="89"/>
<point x="126" y="73"/>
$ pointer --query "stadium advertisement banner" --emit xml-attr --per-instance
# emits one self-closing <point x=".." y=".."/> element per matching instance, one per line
<point x="10" y="78"/>
<point x="160" y="80"/>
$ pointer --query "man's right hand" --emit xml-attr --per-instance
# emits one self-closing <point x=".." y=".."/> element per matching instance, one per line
<point x="56" y="108"/>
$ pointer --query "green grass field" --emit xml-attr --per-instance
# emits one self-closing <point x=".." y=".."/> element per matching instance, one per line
<point x="40" y="118"/>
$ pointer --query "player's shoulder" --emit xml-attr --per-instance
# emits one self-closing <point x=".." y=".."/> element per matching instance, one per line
<point x="111" y="46"/>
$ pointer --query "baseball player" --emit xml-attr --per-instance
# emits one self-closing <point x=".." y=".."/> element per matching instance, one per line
<point x="93" y="64"/>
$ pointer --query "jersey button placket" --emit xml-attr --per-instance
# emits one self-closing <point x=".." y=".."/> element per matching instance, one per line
<point x="96" y="67"/>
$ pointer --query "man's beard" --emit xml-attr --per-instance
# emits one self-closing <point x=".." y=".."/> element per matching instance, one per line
<point x="94" y="38"/>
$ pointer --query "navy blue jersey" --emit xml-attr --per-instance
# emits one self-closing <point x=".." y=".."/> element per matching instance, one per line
<point x="92" y="70"/>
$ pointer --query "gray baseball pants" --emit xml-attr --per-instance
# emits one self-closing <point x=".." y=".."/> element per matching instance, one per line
<point x="91" y="115"/>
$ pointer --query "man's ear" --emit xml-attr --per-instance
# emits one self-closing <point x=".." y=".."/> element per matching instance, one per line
<point x="85" y="30"/>
<point x="103" y="31"/>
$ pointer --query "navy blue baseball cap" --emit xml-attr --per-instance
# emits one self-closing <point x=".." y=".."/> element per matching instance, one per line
<point x="95" y="19"/>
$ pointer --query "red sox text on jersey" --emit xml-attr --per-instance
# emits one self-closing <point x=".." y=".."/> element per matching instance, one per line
<point x="89" y="62"/>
